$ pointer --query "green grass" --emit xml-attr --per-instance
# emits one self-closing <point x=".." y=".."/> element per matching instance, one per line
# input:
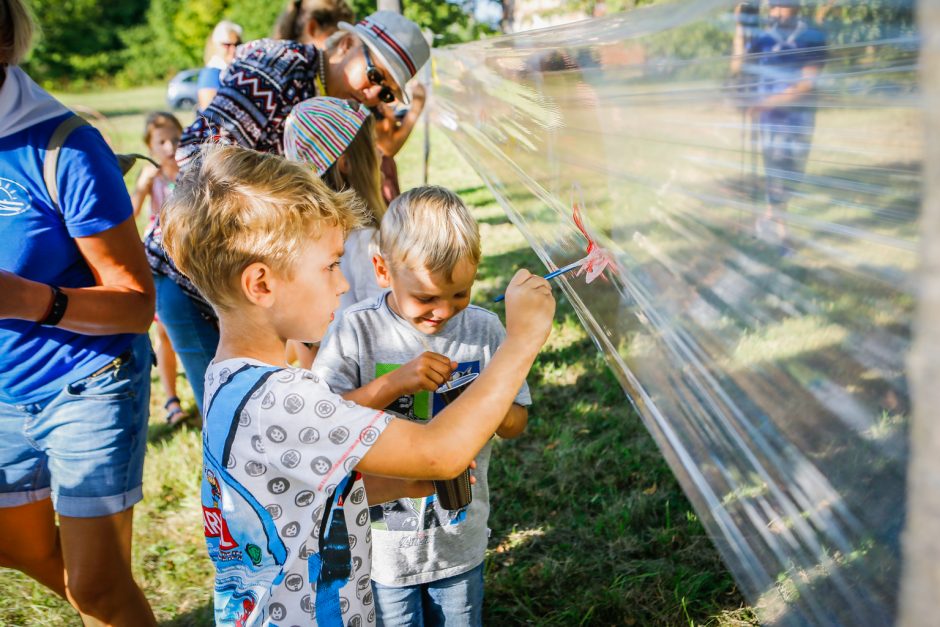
<point x="589" y="527"/>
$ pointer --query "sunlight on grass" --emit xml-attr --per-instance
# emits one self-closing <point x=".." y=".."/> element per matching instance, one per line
<point x="789" y="339"/>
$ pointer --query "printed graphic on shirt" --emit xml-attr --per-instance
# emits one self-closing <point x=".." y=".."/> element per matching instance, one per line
<point x="423" y="513"/>
<point x="284" y="511"/>
<point x="424" y="404"/>
<point x="14" y="198"/>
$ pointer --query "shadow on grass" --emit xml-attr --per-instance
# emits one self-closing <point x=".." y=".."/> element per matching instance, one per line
<point x="201" y="616"/>
<point x="161" y="433"/>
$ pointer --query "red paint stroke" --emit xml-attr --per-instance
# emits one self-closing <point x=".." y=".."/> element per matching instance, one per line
<point x="598" y="259"/>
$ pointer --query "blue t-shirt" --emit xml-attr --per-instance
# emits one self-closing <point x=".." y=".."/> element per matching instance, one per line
<point x="36" y="362"/>
<point x="209" y="78"/>
<point x="782" y="54"/>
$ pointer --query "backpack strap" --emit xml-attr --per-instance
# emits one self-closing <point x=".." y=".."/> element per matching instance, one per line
<point x="50" y="164"/>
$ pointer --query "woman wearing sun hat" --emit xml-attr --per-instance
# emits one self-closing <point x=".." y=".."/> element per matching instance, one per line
<point x="369" y="62"/>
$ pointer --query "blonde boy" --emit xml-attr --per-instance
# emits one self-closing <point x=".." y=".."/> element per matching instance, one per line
<point x="427" y="561"/>
<point x="284" y="503"/>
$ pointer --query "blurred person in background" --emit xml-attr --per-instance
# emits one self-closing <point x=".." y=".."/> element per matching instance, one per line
<point x="161" y="136"/>
<point x="781" y="63"/>
<point x="312" y="22"/>
<point x="219" y="54"/>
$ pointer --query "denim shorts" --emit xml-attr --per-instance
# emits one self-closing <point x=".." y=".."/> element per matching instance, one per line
<point x="85" y="446"/>
<point x="194" y="338"/>
<point x="456" y="601"/>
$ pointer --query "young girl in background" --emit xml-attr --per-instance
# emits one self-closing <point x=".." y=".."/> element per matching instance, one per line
<point x="161" y="135"/>
<point x="337" y="138"/>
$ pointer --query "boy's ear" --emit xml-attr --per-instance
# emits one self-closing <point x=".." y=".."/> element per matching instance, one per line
<point x="257" y="284"/>
<point x="382" y="272"/>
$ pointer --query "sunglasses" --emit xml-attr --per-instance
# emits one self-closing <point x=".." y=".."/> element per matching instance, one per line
<point x="376" y="77"/>
<point x="231" y="45"/>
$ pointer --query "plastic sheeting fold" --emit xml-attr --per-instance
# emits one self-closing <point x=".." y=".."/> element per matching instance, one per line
<point x="755" y="175"/>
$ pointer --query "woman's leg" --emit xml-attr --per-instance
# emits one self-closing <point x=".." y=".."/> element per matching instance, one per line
<point x="194" y="338"/>
<point x="97" y="558"/>
<point x="166" y="361"/>
<point x="94" y="435"/>
<point x="90" y="567"/>
<point x="31" y="543"/>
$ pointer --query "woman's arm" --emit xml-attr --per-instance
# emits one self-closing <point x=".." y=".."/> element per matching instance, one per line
<point x="122" y="300"/>
<point x="205" y="95"/>
<point x="392" y="141"/>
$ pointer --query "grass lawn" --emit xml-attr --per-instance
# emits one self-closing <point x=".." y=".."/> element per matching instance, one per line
<point x="589" y="527"/>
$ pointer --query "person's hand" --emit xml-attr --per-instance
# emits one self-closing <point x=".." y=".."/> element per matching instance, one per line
<point x="147" y="176"/>
<point x="473" y="478"/>
<point x="419" y="95"/>
<point x="530" y="308"/>
<point x="428" y="371"/>
<point x="418" y="92"/>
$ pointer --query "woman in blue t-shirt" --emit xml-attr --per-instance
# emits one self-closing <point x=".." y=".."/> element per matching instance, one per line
<point x="76" y="300"/>
<point x="219" y="54"/>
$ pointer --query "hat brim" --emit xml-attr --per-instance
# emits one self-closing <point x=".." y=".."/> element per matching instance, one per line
<point x="367" y="38"/>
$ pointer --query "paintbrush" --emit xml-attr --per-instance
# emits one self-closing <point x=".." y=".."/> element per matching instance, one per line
<point x="550" y="275"/>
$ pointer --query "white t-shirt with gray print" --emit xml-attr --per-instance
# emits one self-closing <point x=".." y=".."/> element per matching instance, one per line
<point x="290" y="445"/>
<point x="416" y="541"/>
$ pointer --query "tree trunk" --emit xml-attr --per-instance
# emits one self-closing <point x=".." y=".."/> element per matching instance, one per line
<point x="921" y="572"/>
<point x="505" y="24"/>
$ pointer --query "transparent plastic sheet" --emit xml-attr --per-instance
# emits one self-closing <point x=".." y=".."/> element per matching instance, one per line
<point x="758" y="302"/>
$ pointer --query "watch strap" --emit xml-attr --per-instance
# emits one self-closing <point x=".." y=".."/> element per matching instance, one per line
<point x="60" y="301"/>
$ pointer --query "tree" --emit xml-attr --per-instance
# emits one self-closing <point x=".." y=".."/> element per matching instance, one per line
<point x="81" y="39"/>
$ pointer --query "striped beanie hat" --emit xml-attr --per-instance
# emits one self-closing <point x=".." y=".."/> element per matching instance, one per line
<point x="397" y="42"/>
<point x="319" y="130"/>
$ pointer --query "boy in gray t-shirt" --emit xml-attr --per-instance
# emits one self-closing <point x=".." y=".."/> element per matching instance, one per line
<point x="427" y="561"/>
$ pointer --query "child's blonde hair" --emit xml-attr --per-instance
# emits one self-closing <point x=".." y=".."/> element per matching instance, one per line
<point x="429" y="227"/>
<point x="233" y="207"/>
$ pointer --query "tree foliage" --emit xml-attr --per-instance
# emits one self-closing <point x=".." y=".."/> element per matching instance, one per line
<point x="81" y="39"/>
<point x="141" y="41"/>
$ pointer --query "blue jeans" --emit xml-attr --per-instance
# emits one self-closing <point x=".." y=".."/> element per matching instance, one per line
<point x="455" y="601"/>
<point x="85" y="446"/>
<point x="194" y="338"/>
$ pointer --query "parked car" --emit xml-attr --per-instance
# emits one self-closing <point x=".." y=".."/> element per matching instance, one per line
<point x="181" y="90"/>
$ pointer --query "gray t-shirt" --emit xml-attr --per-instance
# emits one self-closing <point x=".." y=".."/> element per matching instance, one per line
<point x="356" y="264"/>
<point x="416" y="541"/>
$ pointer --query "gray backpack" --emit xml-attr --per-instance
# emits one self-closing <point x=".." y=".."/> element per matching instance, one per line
<point x="51" y="160"/>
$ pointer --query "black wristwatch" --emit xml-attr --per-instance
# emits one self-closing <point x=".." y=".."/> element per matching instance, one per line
<point x="57" y="309"/>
